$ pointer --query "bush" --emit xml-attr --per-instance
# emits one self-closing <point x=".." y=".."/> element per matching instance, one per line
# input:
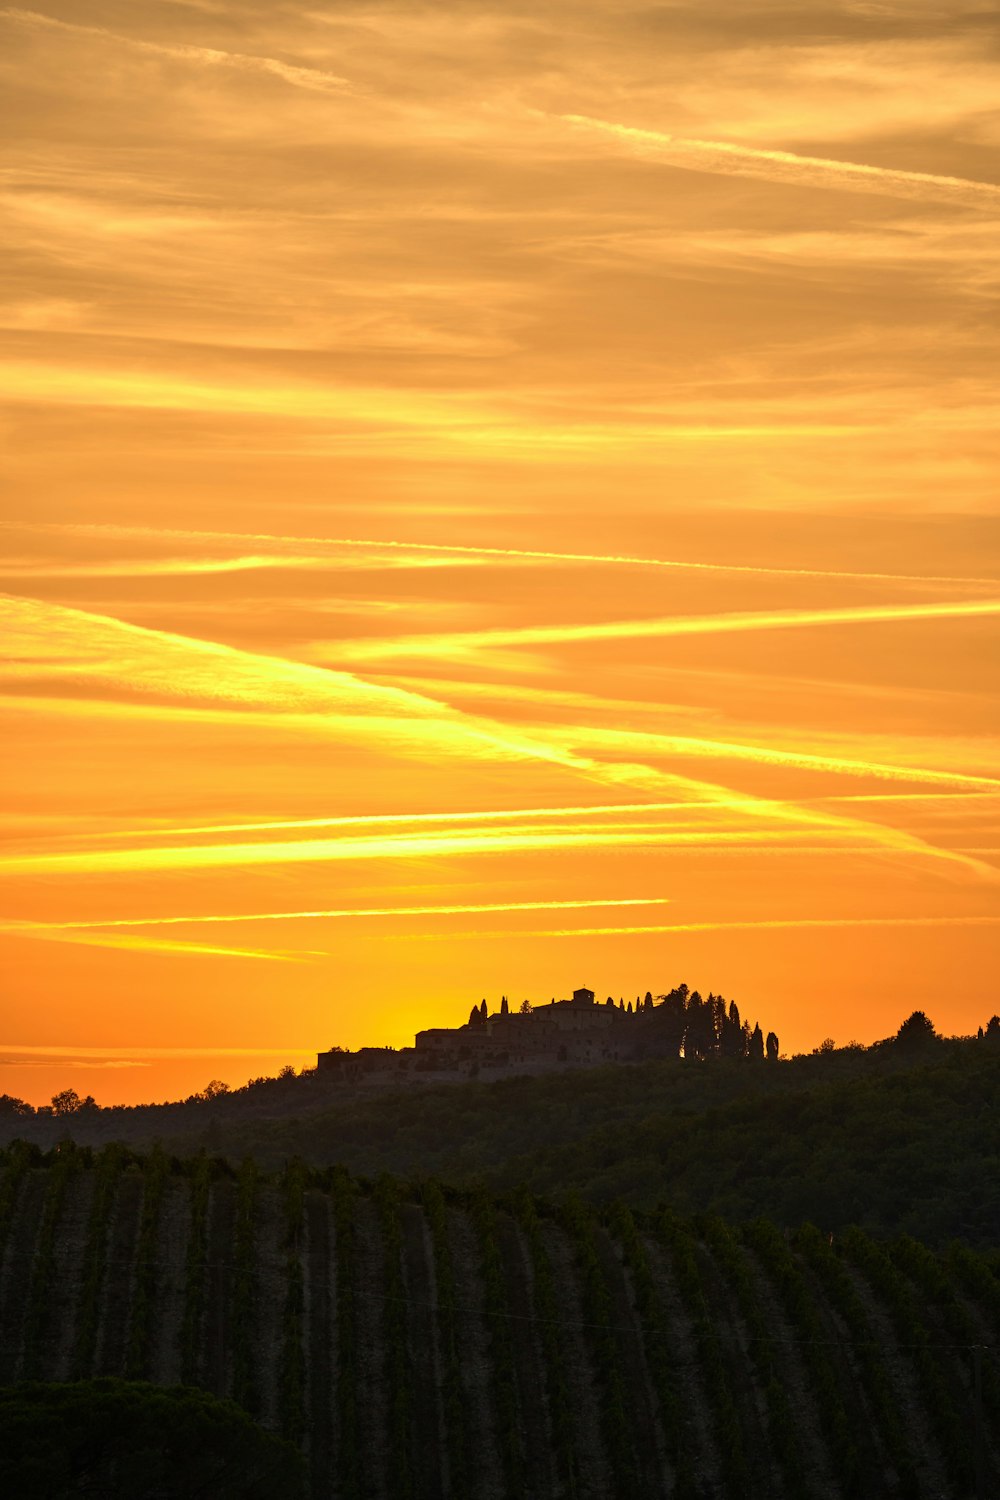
<point x="132" y="1441"/>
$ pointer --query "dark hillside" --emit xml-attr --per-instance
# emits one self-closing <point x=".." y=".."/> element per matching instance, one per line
<point x="891" y="1141"/>
<point x="427" y="1343"/>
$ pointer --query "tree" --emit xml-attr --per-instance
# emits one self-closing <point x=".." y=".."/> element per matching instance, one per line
<point x="216" y="1088"/>
<point x="68" y="1102"/>
<point x="504" y="1007"/>
<point x="755" y="1051"/>
<point x="525" y="1008"/>
<point x="916" y="1031"/>
<point x="771" y="1046"/>
<point x="10" y="1105"/>
<point x="124" y="1440"/>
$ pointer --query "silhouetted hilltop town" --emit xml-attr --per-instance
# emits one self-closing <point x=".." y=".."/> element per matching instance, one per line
<point x="578" y="1031"/>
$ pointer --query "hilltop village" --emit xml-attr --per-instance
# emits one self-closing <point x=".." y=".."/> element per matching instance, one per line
<point x="578" y="1032"/>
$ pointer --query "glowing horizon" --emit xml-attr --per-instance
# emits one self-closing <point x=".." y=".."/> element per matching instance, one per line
<point x="471" y="477"/>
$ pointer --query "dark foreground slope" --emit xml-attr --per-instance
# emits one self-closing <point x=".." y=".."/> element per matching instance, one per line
<point x="889" y="1140"/>
<point x="421" y="1343"/>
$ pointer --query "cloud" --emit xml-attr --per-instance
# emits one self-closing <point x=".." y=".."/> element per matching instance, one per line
<point x="110" y="656"/>
<point x="515" y="840"/>
<point x="648" y="742"/>
<point x="41" y="929"/>
<point x="465" y="643"/>
<point x="385" y="548"/>
<point x="789" y="168"/>
<point x="53" y="933"/>
<point x="312" y="79"/>
<point x="764" y="925"/>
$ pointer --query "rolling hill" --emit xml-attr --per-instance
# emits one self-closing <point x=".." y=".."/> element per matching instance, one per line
<point x="423" y="1342"/>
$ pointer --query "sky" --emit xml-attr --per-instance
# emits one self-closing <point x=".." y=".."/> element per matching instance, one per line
<point x="496" y="500"/>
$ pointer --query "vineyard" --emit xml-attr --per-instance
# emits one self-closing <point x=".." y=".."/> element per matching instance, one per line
<point x="418" y="1342"/>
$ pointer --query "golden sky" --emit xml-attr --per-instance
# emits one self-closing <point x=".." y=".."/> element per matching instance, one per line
<point x="496" y="500"/>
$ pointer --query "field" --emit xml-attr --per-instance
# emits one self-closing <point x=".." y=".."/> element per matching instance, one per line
<point x="420" y="1342"/>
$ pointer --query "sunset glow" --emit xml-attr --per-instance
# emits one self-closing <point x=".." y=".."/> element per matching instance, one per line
<point x="495" y="501"/>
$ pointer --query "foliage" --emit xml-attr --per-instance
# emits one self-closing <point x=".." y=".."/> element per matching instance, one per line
<point x="482" y="1209"/>
<point x="895" y="1141"/>
<point x="109" y="1167"/>
<point x="156" y="1172"/>
<point x="800" y="1304"/>
<point x="397" y="1355"/>
<point x="861" y="1358"/>
<point x="783" y="1431"/>
<point x="578" y="1221"/>
<point x="195" y="1277"/>
<point x="293" y="1363"/>
<point x="679" y="1241"/>
<point x="460" y="1459"/>
<point x="343" y="1193"/>
<point x="244" y="1286"/>
<point x="904" y="1309"/>
<point x="552" y="1341"/>
<point x="68" y="1161"/>
<point x="838" y="1287"/>
<point x="657" y="1341"/>
<point x="130" y="1441"/>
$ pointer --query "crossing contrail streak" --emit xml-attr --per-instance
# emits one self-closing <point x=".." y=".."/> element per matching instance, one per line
<point x="418" y="646"/>
<point x="611" y="559"/>
<point x="106" y="653"/>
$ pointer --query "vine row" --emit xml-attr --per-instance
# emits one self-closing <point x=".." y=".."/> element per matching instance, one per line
<point x="108" y="1169"/>
<point x="399" y="1375"/>
<point x="460" y="1460"/>
<point x="155" y="1176"/>
<point x="657" y="1341"/>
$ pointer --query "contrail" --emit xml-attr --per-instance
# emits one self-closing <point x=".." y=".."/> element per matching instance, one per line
<point x="399" y="846"/>
<point x="649" y="742"/>
<point x="354" y="820"/>
<point x="55" y="934"/>
<point x="786" y="166"/>
<point x="579" y="810"/>
<point x="372" y="649"/>
<point x="39" y="928"/>
<point x="611" y="559"/>
<point x="55" y="640"/>
<point x="684" y="927"/>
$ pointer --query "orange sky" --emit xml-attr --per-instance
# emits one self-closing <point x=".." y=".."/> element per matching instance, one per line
<point x="496" y="500"/>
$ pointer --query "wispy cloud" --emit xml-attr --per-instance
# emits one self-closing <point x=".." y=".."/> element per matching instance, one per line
<point x="787" y="167"/>
<point x="647" y="742"/>
<point x="405" y="846"/>
<point x="386" y="548"/>
<point x="312" y="79"/>
<point x="680" y="928"/>
<point x="40" y="929"/>
<point x="53" y="933"/>
<point x="109" y="655"/>
<point x="462" y="643"/>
